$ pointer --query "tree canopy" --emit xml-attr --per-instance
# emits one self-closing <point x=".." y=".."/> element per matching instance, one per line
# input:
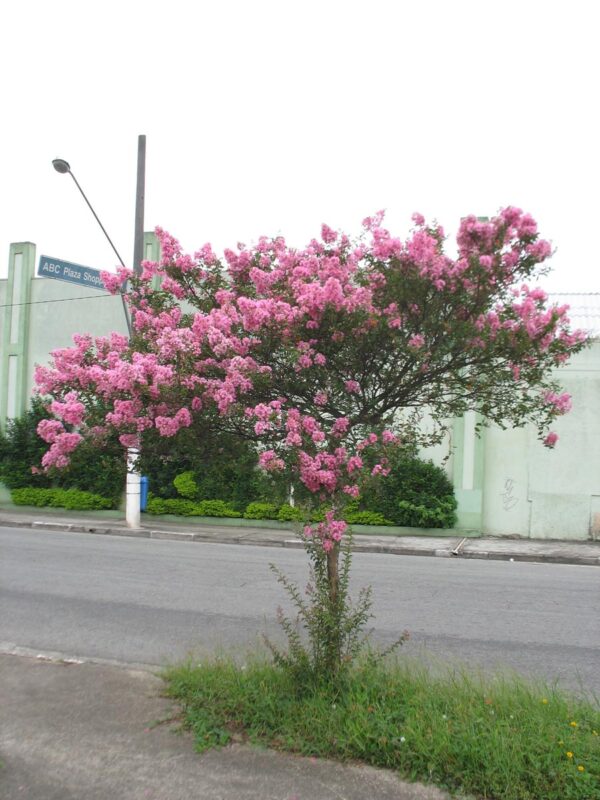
<point x="326" y="356"/>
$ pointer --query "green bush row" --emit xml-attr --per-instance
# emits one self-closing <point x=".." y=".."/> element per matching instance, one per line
<point x="73" y="499"/>
<point x="190" y="508"/>
<point x="206" y="465"/>
<point x="256" y="510"/>
<point x="76" y="499"/>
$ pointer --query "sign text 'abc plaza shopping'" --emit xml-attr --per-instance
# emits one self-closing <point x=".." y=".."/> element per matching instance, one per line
<point x="72" y="273"/>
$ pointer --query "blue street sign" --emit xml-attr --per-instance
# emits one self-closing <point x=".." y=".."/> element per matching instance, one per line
<point x="72" y="273"/>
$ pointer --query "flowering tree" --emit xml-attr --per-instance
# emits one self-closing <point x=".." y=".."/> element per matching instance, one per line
<point x="328" y="356"/>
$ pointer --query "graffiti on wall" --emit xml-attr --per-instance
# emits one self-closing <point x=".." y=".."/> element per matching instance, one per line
<point x="509" y="500"/>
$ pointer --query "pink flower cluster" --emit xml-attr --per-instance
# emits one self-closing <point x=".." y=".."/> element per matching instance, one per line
<point x="329" y="532"/>
<point x="62" y="446"/>
<point x="561" y="403"/>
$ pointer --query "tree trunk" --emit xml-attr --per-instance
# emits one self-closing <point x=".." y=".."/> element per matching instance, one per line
<point x="333" y="557"/>
<point x="334" y="652"/>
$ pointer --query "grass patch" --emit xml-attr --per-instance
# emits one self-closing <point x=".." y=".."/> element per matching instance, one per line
<point x="503" y="738"/>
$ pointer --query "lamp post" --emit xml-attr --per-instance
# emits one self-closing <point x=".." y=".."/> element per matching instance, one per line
<point x="62" y="166"/>
<point x="132" y="503"/>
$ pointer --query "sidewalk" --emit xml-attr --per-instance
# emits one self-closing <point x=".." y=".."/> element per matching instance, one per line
<point x="70" y="731"/>
<point x="457" y="546"/>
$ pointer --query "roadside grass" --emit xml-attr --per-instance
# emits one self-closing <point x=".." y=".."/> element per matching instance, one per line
<point x="501" y="738"/>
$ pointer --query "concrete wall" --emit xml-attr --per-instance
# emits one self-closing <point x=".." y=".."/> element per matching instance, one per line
<point x="66" y="309"/>
<point x="529" y="490"/>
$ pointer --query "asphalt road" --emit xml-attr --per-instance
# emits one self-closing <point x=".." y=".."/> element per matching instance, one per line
<point x="153" y="601"/>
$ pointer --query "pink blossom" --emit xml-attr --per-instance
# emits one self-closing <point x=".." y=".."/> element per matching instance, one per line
<point x="58" y="454"/>
<point x="352" y="386"/>
<point x="49" y="429"/>
<point x="269" y="461"/>
<point x="71" y="411"/>
<point x="327" y="234"/>
<point x="560" y="402"/>
<point x="340" y="427"/>
<point x="416" y="341"/>
<point x="354" y="463"/>
<point x="379" y="469"/>
<point x="551" y="439"/>
<point x="112" y="282"/>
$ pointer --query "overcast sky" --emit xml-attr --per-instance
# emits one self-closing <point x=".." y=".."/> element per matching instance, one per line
<point x="272" y="117"/>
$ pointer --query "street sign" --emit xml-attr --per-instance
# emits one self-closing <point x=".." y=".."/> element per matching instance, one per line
<point x="71" y="273"/>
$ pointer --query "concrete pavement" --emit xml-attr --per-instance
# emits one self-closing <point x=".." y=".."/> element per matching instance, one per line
<point x="70" y="731"/>
<point x="443" y="546"/>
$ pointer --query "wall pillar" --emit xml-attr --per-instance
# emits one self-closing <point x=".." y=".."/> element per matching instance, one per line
<point x="14" y="367"/>
<point x="152" y="253"/>
<point x="467" y="470"/>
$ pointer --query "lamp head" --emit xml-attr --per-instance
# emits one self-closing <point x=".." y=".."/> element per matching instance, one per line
<point x="60" y="165"/>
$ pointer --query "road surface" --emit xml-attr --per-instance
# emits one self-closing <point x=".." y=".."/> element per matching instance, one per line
<point x="155" y="601"/>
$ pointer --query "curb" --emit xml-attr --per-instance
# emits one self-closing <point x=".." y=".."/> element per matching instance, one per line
<point x="252" y="540"/>
<point x="67" y="659"/>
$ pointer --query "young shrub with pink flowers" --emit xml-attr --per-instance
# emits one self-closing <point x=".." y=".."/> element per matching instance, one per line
<point x="327" y="356"/>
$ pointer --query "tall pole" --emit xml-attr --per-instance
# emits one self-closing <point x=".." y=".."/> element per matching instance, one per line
<point x="138" y="245"/>
<point x="132" y="499"/>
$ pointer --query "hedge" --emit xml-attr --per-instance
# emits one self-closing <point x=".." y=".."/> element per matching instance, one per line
<point x="72" y="499"/>
<point x="188" y="508"/>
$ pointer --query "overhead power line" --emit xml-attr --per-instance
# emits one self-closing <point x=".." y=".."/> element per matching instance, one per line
<point x="58" y="300"/>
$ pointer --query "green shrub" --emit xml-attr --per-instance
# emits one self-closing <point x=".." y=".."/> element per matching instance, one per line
<point x="31" y="496"/>
<point x="159" y="505"/>
<point x="72" y="499"/>
<point x="416" y="493"/>
<point x="261" y="511"/>
<point x="102" y="470"/>
<point x="441" y="515"/>
<point x="187" y="508"/>
<point x="21" y="449"/>
<point x="99" y="471"/>
<point x="318" y="514"/>
<point x="216" y="508"/>
<point x="366" y="518"/>
<point x="186" y="485"/>
<point x="289" y="513"/>
<point x="220" y="466"/>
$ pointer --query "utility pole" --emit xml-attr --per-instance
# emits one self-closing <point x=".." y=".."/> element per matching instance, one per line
<point x="132" y="492"/>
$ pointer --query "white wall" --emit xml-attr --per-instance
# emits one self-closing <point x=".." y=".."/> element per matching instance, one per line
<point x="530" y="490"/>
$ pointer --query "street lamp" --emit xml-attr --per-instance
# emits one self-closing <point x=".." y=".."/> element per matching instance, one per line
<point x="132" y="509"/>
<point x="62" y="166"/>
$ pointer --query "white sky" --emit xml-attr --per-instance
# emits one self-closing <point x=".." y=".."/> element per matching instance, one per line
<point x="272" y="117"/>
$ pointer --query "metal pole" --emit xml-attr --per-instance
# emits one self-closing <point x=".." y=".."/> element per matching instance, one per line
<point x="138" y="245"/>
<point x="132" y="502"/>
<point x="97" y="219"/>
<point x="125" y="311"/>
